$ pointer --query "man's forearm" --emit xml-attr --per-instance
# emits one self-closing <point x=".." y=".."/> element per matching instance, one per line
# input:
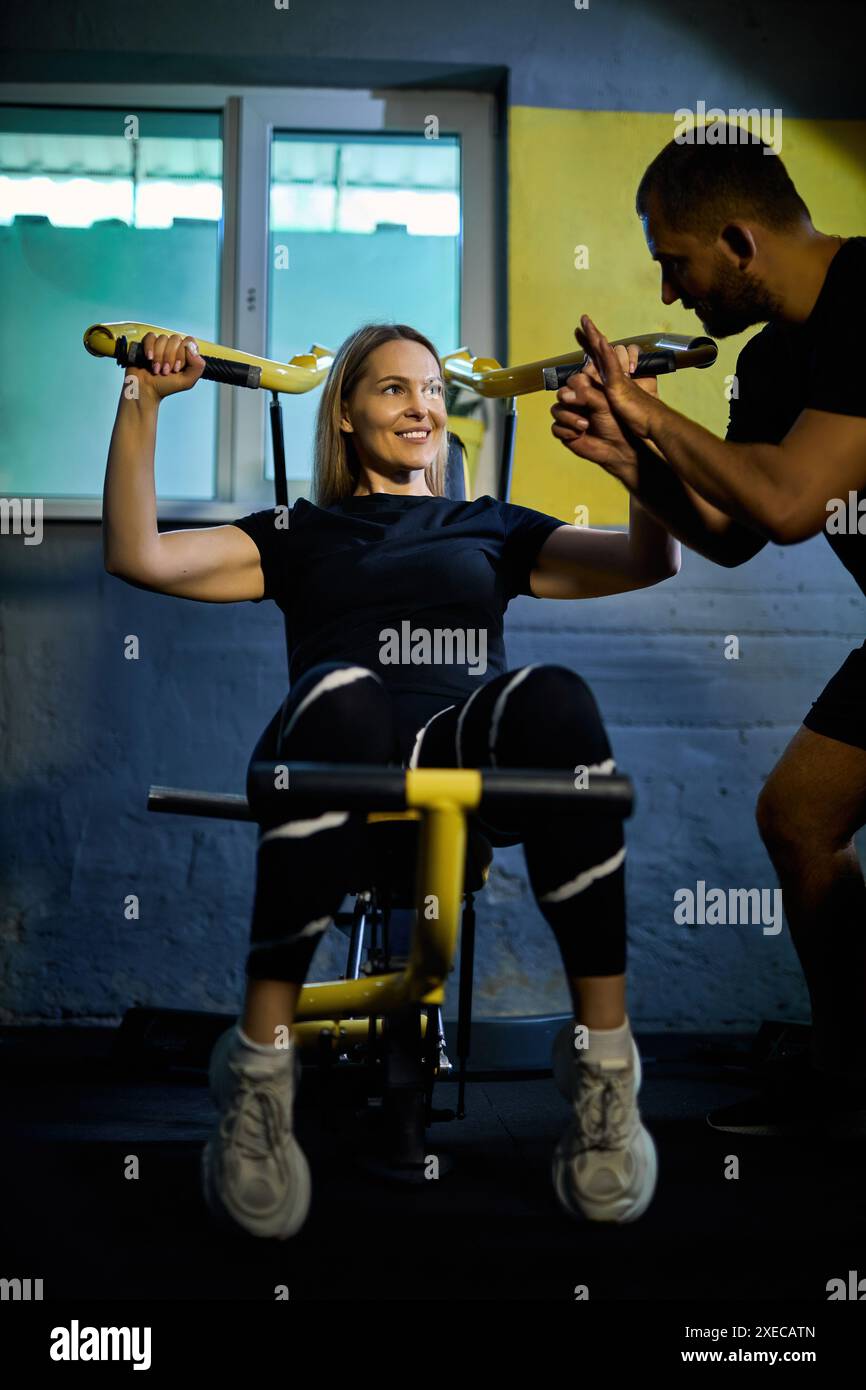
<point x="741" y="480"/>
<point x="698" y="524"/>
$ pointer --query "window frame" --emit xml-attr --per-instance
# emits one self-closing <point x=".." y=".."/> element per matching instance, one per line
<point x="250" y="115"/>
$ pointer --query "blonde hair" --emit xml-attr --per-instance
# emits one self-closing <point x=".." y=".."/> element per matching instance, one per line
<point x="335" y="462"/>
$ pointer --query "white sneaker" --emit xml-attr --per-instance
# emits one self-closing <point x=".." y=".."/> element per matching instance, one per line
<point x="565" y="1054"/>
<point x="254" y="1173"/>
<point x="605" y="1165"/>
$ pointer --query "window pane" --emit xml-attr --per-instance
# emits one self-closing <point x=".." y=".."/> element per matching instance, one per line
<point x="103" y="222"/>
<point x="362" y="228"/>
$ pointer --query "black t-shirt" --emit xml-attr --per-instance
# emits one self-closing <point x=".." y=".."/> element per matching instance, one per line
<point x="816" y="365"/>
<point x="374" y="579"/>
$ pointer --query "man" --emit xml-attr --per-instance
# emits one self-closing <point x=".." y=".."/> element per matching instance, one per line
<point x="736" y="243"/>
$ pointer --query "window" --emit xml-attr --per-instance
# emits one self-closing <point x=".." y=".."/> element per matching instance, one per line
<point x="261" y="218"/>
<point x="105" y="215"/>
<point x="362" y="228"/>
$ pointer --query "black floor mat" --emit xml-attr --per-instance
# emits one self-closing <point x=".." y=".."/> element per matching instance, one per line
<point x="490" y="1228"/>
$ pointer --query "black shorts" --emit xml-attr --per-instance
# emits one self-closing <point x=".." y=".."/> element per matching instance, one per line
<point x="840" y="710"/>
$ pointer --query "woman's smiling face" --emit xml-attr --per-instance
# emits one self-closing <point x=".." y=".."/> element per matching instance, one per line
<point x="396" y="413"/>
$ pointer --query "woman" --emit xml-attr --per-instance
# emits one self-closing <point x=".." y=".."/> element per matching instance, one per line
<point x="381" y="545"/>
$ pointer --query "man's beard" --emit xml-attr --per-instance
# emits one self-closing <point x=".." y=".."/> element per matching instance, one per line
<point x="735" y="303"/>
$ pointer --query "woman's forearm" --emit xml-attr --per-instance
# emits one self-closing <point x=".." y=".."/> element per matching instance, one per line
<point x="653" y="552"/>
<point x="687" y="515"/>
<point x="129" y="526"/>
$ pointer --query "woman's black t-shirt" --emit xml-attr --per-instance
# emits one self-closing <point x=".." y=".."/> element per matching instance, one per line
<point x="414" y="588"/>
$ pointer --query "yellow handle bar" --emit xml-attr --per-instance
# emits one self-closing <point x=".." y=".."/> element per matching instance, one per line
<point x="659" y="353"/>
<point x="304" y="372"/>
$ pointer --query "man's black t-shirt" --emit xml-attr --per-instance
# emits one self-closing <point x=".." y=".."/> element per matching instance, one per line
<point x="816" y="365"/>
<point x="374" y="579"/>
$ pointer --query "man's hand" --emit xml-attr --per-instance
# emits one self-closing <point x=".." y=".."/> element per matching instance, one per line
<point x="584" y="422"/>
<point x="627" y="402"/>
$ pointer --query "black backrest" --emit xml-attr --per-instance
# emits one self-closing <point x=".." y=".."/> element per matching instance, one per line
<point x="455" y="476"/>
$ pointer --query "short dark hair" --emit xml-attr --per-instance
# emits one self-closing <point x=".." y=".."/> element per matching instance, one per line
<point x="699" y="187"/>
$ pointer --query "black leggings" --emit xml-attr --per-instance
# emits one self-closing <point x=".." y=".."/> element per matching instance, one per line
<point x="537" y="716"/>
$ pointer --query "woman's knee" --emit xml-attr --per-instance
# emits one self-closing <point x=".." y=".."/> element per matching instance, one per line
<point x="557" y="714"/>
<point x="550" y="681"/>
<point x="341" y="709"/>
<point x="553" y="687"/>
<point x="336" y="712"/>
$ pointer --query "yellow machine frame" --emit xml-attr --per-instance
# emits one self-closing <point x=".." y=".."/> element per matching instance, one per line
<point x="442" y="797"/>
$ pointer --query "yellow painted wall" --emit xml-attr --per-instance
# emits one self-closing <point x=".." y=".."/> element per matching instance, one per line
<point x="573" y="176"/>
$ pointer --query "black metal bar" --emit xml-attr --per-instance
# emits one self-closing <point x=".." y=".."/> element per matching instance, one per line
<point x="361" y="786"/>
<point x="464" y="1006"/>
<point x="403" y="1093"/>
<point x="509" y="435"/>
<point x="217" y="805"/>
<point x="356" y="940"/>
<point x="281" y="485"/>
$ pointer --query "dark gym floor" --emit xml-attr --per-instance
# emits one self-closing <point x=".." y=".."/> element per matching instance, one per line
<point x="489" y="1229"/>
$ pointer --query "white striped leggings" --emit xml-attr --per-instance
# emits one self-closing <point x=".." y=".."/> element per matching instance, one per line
<point x="536" y="716"/>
